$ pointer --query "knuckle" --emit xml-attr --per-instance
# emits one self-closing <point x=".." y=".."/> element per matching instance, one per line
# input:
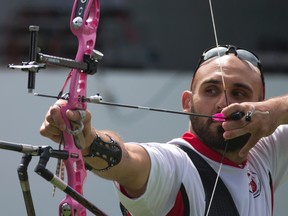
<point x="43" y="131"/>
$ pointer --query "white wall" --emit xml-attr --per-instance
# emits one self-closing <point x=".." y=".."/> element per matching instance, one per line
<point x="21" y="115"/>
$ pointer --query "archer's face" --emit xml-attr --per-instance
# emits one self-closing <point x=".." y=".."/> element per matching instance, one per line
<point x="243" y="84"/>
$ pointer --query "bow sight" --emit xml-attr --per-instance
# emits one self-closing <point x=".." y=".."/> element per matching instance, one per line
<point x="38" y="60"/>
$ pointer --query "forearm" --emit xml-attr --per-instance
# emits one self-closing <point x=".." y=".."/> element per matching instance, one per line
<point x="277" y="108"/>
<point x="100" y="151"/>
<point x="133" y="168"/>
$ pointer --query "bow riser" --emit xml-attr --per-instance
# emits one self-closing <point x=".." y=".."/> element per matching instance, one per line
<point x="83" y="24"/>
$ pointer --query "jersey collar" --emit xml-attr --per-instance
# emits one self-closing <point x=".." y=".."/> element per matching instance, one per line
<point x="199" y="146"/>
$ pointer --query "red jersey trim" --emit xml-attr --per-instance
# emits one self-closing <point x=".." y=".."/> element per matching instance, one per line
<point x="208" y="152"/>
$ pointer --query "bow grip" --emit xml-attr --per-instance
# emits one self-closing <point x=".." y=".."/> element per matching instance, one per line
<point x="76" y="173"/>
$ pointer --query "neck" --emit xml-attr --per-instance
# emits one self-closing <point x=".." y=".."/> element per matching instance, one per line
<point x="231" y="158"/>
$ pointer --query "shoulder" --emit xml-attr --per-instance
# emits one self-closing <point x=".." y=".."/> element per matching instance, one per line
<point x="278" y="139"/>
<point x="170" y="167"/>
<point x="270" y="152"/>
<point x="168" y="152"/>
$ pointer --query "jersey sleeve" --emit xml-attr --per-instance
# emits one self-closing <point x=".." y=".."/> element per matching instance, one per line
<point x="169" y="166"/>
<point x="273" y="151"/>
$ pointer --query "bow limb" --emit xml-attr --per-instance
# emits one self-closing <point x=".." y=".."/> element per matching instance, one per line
<point x="83" y="24"/>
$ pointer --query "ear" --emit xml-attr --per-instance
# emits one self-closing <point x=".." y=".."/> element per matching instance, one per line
<point x="186" y="101"/>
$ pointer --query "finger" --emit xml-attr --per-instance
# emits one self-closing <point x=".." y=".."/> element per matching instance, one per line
<point x="51" y="129"/>
<point x="77" y="116"/>
<point x="235" y="132"/>
<point x="238" y="111"/>
<point x="233" y="129"/>
<point x="73" y="115"/>
<point x="51" y="132"/>
<point x="233" y="125"/>
<point x="232" y="108"/>
<point x="55" y="117"/>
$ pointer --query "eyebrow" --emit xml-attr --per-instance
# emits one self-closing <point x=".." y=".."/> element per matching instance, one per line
<point x="212" y="81"/>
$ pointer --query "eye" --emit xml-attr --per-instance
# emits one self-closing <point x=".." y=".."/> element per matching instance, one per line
<point x="211" y="91"/>
<point x="238" y="93"/>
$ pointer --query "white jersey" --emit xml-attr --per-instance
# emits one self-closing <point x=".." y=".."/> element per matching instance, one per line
<point x="249" y="183"/>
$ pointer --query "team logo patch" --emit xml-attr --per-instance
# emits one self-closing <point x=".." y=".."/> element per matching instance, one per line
<point x="254" y="184"/>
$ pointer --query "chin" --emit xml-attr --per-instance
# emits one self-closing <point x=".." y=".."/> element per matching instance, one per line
<point x="211" y="134"/>
<point x="216" y="141"/>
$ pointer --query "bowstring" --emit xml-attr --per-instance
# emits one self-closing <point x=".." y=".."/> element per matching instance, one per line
<point x="226" y="99"/>
<point x="217" y="45"/>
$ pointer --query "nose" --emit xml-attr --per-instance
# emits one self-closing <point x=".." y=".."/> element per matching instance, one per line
<point x="222" y="101"/>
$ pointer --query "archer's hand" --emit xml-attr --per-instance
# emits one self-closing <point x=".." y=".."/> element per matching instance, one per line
<point x="54" y="125"/>
<point x="262" y="124"/>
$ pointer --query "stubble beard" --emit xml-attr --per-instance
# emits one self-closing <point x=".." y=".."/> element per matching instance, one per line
<point x="214" y="139"/>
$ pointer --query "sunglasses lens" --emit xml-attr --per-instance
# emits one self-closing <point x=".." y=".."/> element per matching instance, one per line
<point x="216" y="51"/>
<point x="248" y="56"/>
<point x="222" y="50"/>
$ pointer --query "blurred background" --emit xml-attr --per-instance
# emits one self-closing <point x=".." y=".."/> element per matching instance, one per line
<point x="150" y="50"/>
<point x="148" y="34"/>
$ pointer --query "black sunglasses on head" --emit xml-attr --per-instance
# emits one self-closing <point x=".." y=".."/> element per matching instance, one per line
<point x="241" y="53"/>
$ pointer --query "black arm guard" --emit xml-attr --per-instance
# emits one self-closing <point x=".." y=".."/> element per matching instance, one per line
<point x="110" y="151"/>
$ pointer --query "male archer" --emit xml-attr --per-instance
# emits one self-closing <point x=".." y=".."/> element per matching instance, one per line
<point x="250" y="154"/>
